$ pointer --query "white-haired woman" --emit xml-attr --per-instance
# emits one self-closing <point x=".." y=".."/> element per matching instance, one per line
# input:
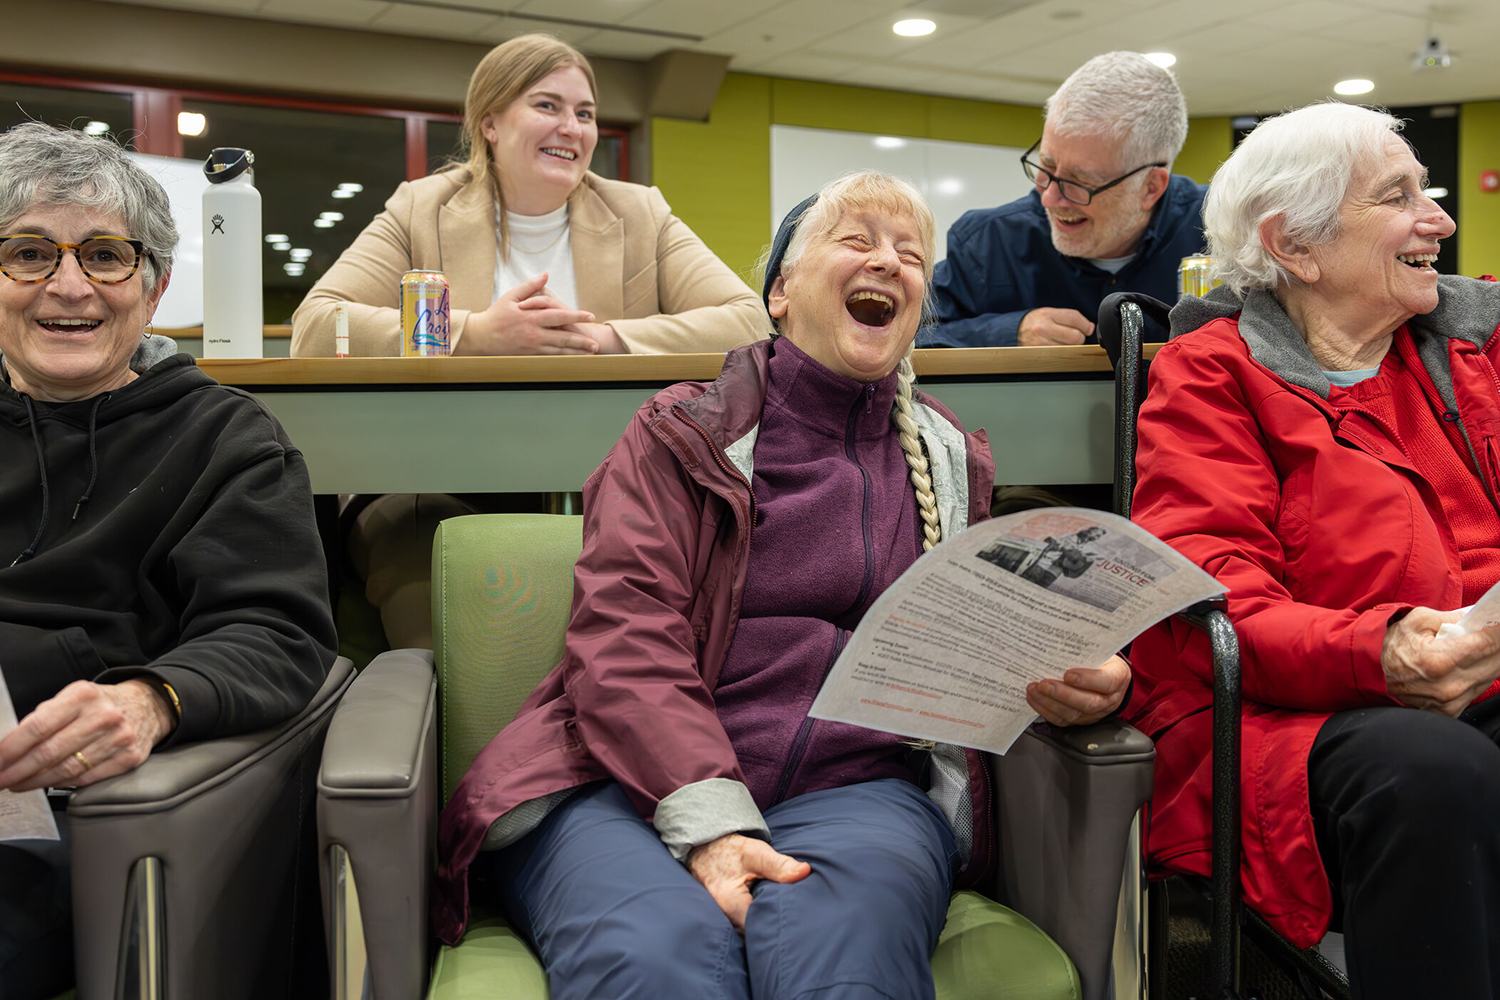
<point x="732" y="538"/>
<point x="1325" y="443"/>
<point x="162" y="578"/>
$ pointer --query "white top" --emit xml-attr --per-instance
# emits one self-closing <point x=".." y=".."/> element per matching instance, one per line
<point x="537" y="243"/>
<point x="1114" y="265"/>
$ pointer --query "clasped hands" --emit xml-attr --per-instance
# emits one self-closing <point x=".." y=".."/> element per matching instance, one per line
<point x="86" y="733"/>
<point x="729" y="866"/>
<point x="529" y="319"/>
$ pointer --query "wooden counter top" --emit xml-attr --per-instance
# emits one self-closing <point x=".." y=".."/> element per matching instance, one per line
<point x="1089" y="361"/>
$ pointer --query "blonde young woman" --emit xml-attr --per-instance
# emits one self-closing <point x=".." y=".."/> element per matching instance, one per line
<point x="542" y="256"/>
<point x="733" y="537"/>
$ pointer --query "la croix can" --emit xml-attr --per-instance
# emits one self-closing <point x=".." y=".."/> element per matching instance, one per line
<point x="424" y="315"/>
<point x="1192" y="276"/>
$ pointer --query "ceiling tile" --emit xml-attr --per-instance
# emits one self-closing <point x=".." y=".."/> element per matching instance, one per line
<point x="342" y="13"/>
<point x="699" y="18"/>
<point x="626" y="44"/>
<point x="405" y="19"/>
<point x="595" y="12"/>
<point x="509" y="27"/>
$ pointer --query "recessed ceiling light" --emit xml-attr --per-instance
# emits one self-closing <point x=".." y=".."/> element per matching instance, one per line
<point x="96" y="128"/>
<point x="191" y="123"/>
<point x="281" y="246"/>
<point x="323" y="223"/>
<point x="300" y="254"/>
<point x="914" y="26"/>
<point x="276" y="237"/>
<point x="1351" y="87"/>
<point x="1436" y="193"/>
<point x="342" y="193"/>
<point x="351" y="186"/>
<point x="889" y="142"/>
<point x="1162" y="59"/>
<point x="334" y="216"/>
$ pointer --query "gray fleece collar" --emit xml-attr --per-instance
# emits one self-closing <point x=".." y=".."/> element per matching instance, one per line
<point x="1468" y="309"/>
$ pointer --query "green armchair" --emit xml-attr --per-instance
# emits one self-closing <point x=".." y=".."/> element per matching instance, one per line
<point x="414" y="720"/>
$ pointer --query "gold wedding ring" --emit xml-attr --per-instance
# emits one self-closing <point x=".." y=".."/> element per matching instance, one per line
<point x="83" y="760"/>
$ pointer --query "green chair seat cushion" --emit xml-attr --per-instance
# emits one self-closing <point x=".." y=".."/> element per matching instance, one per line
<point x="985" y="951"/>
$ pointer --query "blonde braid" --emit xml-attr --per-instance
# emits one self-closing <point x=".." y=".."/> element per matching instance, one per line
<point x="911" y="444"/>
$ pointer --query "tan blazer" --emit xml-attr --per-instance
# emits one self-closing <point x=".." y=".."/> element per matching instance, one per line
<point x="638" y="268"/>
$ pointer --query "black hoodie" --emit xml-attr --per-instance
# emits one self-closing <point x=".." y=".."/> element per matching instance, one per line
<point x="176" y="540"/>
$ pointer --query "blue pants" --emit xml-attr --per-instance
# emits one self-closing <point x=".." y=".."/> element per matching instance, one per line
<point x="613" y="915"/>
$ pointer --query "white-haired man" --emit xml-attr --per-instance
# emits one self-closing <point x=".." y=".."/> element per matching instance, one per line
<point x="1107" y="215"/>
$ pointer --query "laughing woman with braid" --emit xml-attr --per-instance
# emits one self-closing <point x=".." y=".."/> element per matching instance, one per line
<point x="733" y="538"/>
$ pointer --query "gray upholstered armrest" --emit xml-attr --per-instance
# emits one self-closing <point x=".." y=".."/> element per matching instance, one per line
<point x="171" y="777"/>
<point x="224" y="820"/>
<point x="374" y="744"/>
<point x="377" y="808"/>
<point x="1065" y="801"/>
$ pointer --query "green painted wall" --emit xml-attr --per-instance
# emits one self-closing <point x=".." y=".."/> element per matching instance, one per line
<point x="717" y="174"/>
<point x="1479" y="211"/>
<point x="1209" y="143"/>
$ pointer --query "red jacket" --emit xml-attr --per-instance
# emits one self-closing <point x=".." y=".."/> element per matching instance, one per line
<point x="1316" y="524"/>
<point x="657" y="591"/>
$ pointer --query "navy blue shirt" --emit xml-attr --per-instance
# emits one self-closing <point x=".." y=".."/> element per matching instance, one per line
<point x="1001" y="264"/>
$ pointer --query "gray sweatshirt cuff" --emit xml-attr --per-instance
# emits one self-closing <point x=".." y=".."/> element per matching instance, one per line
<point x="707" y="810"/>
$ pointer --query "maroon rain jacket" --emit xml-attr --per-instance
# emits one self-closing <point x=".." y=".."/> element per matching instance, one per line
<point x="656" y="598"/>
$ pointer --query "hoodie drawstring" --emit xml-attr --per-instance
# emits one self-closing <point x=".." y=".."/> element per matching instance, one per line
<point x="88" y="490"/>
<point x="41" y="464"/>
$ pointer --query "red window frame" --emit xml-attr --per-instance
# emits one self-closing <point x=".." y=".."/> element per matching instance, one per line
<point x="154" y="115"/>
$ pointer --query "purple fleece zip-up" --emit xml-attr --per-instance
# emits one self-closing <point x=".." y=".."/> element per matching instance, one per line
<point x="838" y="524"/>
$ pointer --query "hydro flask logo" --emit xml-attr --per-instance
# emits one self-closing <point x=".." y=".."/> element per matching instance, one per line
<point x="218" y="222"/>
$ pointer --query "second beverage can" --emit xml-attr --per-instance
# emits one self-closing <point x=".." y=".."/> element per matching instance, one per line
<point x="424" y="315"/>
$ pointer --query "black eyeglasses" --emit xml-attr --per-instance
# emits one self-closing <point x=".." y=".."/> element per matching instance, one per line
<point x="108" y="260"/>
<point x="1075" y="192"/>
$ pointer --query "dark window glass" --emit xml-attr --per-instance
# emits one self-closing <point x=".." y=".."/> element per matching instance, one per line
<point x="442" y="144"/>
<point x="78" y="109"/>
<point x="301" y="159"/>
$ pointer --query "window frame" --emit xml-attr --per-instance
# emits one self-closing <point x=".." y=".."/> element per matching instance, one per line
<point x="158" y="106"/>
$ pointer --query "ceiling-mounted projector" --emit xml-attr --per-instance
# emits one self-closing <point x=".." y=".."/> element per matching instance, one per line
<point x="1433" y="55"/>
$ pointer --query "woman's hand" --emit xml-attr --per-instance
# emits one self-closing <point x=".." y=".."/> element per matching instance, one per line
<point x="526" y="320"/>
<point x="604" y="335"/>
<point x="1425" y="671"/>
<point x="727" y="866"/>
<point x="1081" y="696"/>
<point x="112" y="726"/>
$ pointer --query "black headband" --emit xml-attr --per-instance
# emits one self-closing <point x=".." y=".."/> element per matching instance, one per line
<point x="783" y="240"/>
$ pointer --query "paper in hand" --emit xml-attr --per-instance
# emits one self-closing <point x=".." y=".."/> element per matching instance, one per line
<point x="23" y="815"/>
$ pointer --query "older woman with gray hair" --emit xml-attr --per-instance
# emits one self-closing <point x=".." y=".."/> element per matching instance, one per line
<point x="1323" y="435"/>
<point x="732" y="539"/>
<point x="163" y="579"/>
